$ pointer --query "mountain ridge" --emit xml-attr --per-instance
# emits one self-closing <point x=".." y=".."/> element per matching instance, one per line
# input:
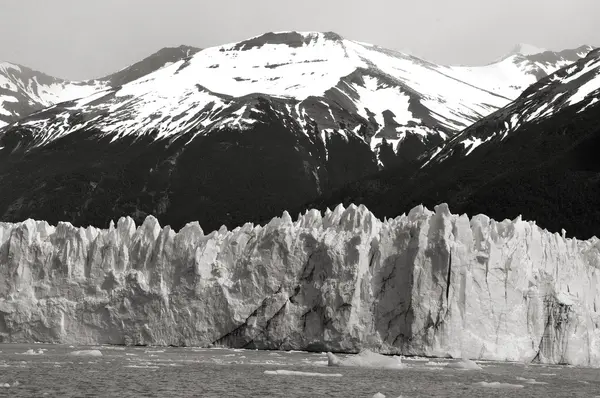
<point x="194" y="139"/>
<point x="353" y="59"/>
<point x="24" y="91"/>
<point x="542" y="167"/>
<point x="533" y="104"/>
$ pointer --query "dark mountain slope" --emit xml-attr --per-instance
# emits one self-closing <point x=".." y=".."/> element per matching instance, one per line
<point x="545" y="168"/>
<point x="223" y="176"/>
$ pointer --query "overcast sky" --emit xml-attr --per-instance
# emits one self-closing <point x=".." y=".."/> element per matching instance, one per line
<point x="81" y="39"/>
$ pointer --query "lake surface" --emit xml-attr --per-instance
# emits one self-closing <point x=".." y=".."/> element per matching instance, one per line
<point x="38" y="370"/>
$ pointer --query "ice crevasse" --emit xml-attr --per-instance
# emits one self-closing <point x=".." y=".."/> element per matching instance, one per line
<point x="427" y="283"/>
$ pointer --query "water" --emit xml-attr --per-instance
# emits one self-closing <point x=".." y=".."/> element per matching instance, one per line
<point x="191" y="372"/>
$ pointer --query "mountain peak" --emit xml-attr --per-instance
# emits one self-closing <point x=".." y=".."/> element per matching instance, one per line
<point x="527" y="49"/>
<point x="586" y="48"/>
<point x="523" y="51"/>
<point x="291" y="39"/>
<point x="162" y="57"/>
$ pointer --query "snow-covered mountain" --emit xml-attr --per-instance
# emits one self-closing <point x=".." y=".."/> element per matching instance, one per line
<point x="427" y="283"/>
<point x="577" y="85"/>
<point x="538" y="157"/>
<point x="345" y="87"/>
<point x="24" y="91"/>
<point x="520" y="68"/>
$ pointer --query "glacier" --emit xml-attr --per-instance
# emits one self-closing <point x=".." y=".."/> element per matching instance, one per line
<point x="427" y="283"/>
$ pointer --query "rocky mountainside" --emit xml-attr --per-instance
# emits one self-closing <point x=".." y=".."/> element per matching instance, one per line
<point x="24" y="91"/>
<point x="426" y="283"/>
<point x="577" y="85"/>
<point x="536" y="157"/>
<point x="244" y="131"/>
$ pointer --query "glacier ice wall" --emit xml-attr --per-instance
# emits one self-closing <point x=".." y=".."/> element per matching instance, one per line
<point x="426" y="283"/>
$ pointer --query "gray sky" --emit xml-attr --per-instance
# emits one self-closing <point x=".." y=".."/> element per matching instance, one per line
<point x="81" y="39"/>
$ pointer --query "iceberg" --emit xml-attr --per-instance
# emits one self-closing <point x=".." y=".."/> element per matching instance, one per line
<point x="466" y="364"/>
<point x="366" y="359"/>
<point x="298" y="373"/>
<point x="86" y="353"/>
<point x="531" y="381"/>
<point x="427" y="283"/>
<point x="33" y="352"/>
<point x="497" y="384"/>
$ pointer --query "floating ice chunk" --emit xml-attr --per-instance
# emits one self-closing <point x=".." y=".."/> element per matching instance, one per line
<point x="105" y="347"/>
<point x="87" y="353"/>
<point x="332" y="360"/>
<point x="142" y="367"/>
<point x="32" y="352"/>
<point x="466" y="364"/>
<point x="497" y="384"/>
<point x="263" y="362"/>
<point x="366" y="359"/>
<point x="530" y="381"/>
<point x="433" y="363"/>
<point x="378" y="395"/>
<point x="6" y="385"/>
<point x="296" y="373"/>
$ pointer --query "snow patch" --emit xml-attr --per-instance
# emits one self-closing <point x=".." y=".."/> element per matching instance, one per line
<point x="473" y="143"/>
<point x="592" y="102"/>
<point x="586" y="89"/>
<point x="378" y="98"/>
